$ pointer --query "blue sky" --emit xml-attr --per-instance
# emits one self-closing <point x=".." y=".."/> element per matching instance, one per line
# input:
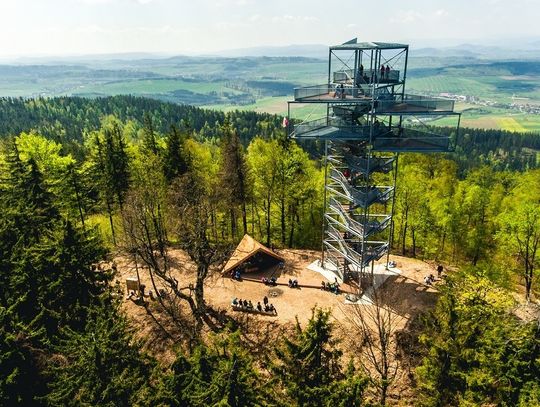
<point x="60" y="27"/>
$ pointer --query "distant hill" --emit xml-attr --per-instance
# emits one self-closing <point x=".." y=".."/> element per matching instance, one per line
<point x="309" y="50"/>
<point x="525" y="50"/>
<point x="521" y="49"/>
<point x="84" y="59"/>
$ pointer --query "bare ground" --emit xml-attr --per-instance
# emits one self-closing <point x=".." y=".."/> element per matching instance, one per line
<point x="405" y="294"/>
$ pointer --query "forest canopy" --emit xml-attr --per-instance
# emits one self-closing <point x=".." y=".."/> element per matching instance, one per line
<point x="82" y="179"/>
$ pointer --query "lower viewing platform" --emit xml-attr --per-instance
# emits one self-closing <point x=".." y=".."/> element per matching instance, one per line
<point x="383" y="139"/>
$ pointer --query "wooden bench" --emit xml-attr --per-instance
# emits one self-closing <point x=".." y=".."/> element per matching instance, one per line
<point x="252" y="310"/>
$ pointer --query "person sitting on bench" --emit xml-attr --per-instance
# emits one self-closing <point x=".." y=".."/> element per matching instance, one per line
<point x="323" y="285"/>
<point x="235" y="301"/>
<point x="250" y="305"/>
<point x="259" y="307"/>
<point x="272" y="309"/>
<point x="273" y="280"/>
<point x="245" y="303"/>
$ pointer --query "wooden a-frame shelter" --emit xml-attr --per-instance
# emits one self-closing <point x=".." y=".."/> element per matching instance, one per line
<point x="247" y="250"/>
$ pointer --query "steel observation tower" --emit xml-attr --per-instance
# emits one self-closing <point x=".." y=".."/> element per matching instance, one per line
<point x="365" y="119"/>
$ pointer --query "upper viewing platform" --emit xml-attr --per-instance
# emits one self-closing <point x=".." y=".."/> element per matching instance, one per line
<point x="366" y="86"/>
<point x="381" y="102"/>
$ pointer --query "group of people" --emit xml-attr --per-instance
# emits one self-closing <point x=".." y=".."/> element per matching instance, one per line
<point x="429" y="280"/>
<point x="385" y="71"/>
<point x="269" y="281"/>
<point x="332" y="287"/>
<point x="236" y="275"/>
<point x="248" y="305"/>
<point x="293" y="283"/>
<point x="340" y="92"/>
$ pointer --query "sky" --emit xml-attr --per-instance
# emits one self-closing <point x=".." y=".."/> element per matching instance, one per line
<point x="77" y="27"/>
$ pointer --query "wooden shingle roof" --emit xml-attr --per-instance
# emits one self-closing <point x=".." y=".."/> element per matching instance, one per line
<point x="247" y="248"/>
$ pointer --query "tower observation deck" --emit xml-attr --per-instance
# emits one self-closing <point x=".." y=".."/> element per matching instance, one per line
<point x="365" y="118"/>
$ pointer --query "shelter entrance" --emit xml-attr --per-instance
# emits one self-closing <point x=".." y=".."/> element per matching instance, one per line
<point x="250" y="256"/>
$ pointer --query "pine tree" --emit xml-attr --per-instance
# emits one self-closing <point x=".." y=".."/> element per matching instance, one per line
<point x="21" y="380"/>
<point x="175" y="161"/>
<point x="77" y="193"/>
<point x="103" y="365"/>
<point x="111" y="168"/>
<point x="234" y="175"/>
<point x="476" y="352"/>
<point x="309" y="367"/>
<point x="104" y="181"/>
<point x="47" y="281"/>
<point x="221" y="373"/>
<point x="29" y="204"/>
<point x="118" y="162"/>
<point x="149" y="135"/>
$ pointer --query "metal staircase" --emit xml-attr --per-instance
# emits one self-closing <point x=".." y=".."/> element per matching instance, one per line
<point x="368" y="121"/>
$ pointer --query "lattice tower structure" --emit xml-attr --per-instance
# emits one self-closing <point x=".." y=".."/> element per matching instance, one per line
<point x="365" y="119"/>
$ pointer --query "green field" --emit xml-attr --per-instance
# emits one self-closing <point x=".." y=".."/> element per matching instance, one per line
<point x="151" y="86"/>
<point x="272" y="105"/>
<point x="493" y="118"/>
<point x="266" y="84"/>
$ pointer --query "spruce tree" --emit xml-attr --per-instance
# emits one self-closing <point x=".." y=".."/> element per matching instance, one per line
<point x="221" y="373"/>
<point x="29" y="205"/>
<point x="111" y="169"/>
<point x="475" y="351"/>
<point x="234" y="175"/>
<point x="21" y="380"/>
<point x="308" y="366"/>
<point x="47" y="281"/>
<point x="102" y="365"/>
<point x="175" y="162"/>
<point x="149" y="136"/>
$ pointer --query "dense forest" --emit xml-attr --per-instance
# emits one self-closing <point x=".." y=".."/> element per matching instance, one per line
<point x="67" y="119"/>
<point x="82" y="179"/>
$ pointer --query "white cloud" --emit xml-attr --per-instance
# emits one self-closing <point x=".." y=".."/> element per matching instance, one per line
<point x="92" y="2"/>
<point x="90" y="29"/>
<point x="83" y="26"/>
<point x="407" y="17"/>
<point x="100" y="2"/>
<point x="441" y="13"/>
<point x="289" y="18"/>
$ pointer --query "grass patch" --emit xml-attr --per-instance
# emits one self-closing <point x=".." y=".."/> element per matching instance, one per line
<point x="153" y="86"/>
<point x="510" y="124"/>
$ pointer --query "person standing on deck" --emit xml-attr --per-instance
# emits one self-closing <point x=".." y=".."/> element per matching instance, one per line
<point x="360" y="75"/>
